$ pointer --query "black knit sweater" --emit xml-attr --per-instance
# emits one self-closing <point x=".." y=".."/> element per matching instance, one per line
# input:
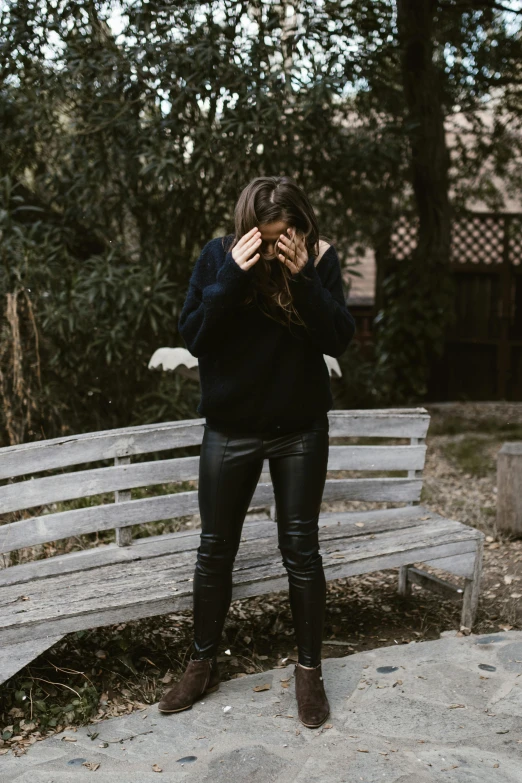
<point x="258" y="375"/>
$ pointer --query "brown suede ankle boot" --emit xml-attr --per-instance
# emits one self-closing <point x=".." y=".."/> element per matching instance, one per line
<point x="313" y="706"/>
<point x="198" y="679"/>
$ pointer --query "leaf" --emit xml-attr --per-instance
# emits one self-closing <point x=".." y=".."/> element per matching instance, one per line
<point x="258" y="688"/>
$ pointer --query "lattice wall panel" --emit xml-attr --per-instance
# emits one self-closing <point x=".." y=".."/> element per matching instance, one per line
<point x="477" y="240"/>
<point x="404" y="237"/>
<point x="515" y="241"/>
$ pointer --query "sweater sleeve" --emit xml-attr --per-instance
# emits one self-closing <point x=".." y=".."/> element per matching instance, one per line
<point x="322" y="306"/>
<point x="210" y="297"/>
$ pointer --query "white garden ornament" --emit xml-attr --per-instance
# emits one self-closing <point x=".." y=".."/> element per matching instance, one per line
<point x="181" y="360"/>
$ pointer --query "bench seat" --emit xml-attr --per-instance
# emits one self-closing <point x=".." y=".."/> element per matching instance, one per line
<point x="43" y="600"/>
<point x="154" y="576"/>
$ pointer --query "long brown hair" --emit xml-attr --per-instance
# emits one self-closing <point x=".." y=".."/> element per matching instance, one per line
<point x="267" y="200"/>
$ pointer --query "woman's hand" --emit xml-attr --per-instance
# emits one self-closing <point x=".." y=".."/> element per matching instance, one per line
<point x="242" y="251"/>
<point x="295" y="254"/>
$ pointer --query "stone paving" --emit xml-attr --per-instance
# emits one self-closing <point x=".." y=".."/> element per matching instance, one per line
<point x="444" y="710"/>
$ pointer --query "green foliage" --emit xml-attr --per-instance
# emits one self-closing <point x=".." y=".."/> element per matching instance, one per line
<point x="124" y="155"/>
<point x="412" y="323"/>
<point x="124" y="152"/>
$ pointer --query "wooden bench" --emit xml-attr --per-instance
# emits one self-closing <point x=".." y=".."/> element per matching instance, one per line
<point x="42" y="600"/>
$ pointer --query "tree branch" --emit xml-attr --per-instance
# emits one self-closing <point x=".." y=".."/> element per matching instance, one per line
<point x="470" y="5"/>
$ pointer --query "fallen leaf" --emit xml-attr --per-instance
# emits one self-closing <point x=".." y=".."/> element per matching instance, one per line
<point x="363" y="750"/>
<point x="359" y="524"/>
<point x="156" y="768"/>
<point x="505" y="627"/>
<point x="69" y="739"/>
<point x="455" y="706"/>
<point x="92" y="765"/>
<point x="258" y="688"/>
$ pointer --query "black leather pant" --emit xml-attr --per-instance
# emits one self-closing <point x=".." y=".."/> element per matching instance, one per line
<point x="229" y="470"/>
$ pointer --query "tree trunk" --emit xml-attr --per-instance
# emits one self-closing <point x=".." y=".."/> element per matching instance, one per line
<point x="429" y="154"/>
<point x="418" y="292"/>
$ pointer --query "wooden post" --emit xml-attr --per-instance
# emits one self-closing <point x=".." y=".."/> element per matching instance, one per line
<point x="123" y="534"/>
<point x="415" y="473"/>
<point x="509" y="488"/>
<point x="404" y="585"/>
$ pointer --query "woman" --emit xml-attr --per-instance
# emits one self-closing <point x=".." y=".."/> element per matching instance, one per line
<point x="263" y="306"/>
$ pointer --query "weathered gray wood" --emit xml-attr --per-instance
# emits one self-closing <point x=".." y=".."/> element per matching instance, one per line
<point x="86" y="483"/>
<point x="382" y="423"/>
<point x="434" y="583"/>
<point x="124" y="476"/>
<point x="51" y="527"/>
<point x="118" y="582"/>
<point x="509" y="488"/>
<point x="415" y="471"/>
<point x="137" y="589"/>
<point x="14" y="657"/>
<point x="354" y="523"/>
<point x="472" y="590"/>
<point x="29" y="458"/>
<point x="404" y="585"/>
<point x="123" y="535"/>
<point x="461" y="565"/>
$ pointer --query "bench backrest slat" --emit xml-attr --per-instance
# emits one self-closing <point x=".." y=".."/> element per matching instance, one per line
<point x="86" y="483"/>
<point x="52" y="527"/>
<point x="38" y="456"/>
<point x="119" y="446"/>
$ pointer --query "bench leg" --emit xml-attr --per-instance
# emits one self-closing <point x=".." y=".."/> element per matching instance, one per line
<point x="472" y="590"/>
<point x="404" y="586"/>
